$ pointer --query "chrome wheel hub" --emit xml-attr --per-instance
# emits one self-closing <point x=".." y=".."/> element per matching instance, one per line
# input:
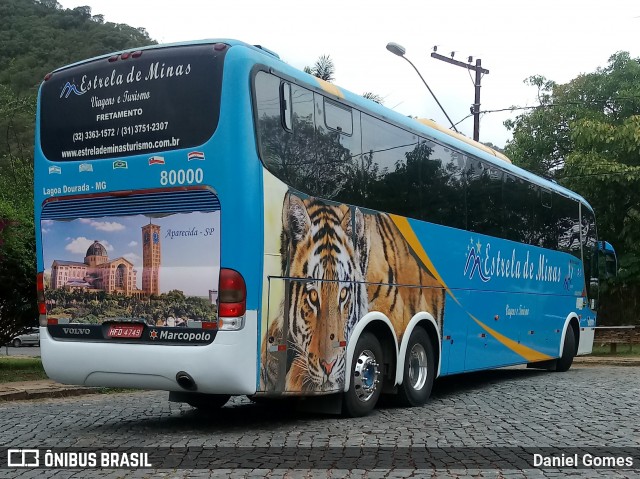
<point x="417" y="367"/>
<point x="365" y="375"/>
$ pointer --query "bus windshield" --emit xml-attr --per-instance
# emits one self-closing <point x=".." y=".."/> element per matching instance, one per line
<point x="133" y="103"/>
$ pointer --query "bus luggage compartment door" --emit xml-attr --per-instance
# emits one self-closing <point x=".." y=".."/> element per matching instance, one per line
<point x="303" y="346"/>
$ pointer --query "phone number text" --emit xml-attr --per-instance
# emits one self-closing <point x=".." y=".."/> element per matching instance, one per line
<point x="122" y="131"/>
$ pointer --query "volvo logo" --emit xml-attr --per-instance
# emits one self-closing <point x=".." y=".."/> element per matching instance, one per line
<point x="77" y="331"/>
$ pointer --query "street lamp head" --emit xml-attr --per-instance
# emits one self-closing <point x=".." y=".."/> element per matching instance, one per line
<point x="400" y="51"/>
<point x="396" y="49"/>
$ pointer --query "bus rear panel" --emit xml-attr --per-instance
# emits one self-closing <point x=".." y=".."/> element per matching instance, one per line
<point x="133" y="188"/>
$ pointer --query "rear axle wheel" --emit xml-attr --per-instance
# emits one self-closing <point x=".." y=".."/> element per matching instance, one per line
<point x="366" y="377"/>
<point x="419" y="370"/>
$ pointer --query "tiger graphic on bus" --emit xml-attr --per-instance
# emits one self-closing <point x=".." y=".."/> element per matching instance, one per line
<point x="341" y="264"/>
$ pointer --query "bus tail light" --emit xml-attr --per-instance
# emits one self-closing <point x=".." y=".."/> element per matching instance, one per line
<point x="232" y="300"/>
<point x="42" y="306"/>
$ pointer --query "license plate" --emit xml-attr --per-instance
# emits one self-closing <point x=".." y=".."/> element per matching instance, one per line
<point x="125" y="331"/>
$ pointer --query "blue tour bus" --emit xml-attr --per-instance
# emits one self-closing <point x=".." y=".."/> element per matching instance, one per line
<point x="214" y="222"/>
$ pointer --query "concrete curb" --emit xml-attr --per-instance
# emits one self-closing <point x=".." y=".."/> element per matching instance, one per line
<point x="606" y="361"/>
<point x="29" y="393"/>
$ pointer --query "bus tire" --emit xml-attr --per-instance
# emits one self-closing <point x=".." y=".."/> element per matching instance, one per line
<point x="208" y="402"/>
<point x="419" y="370"/>
<point x="568" y="351"/>
<point x="366" y="377"/>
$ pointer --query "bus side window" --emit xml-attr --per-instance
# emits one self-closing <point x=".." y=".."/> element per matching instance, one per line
<point x="290" y="157"/>
<point x="517" y="209"/>
<point x="391" y="160"/>
<point x="544" y="220"/>
<point x="567" y="217"/>
<point x="338" y="117"/>
<point x="271" y="134"/>
<point x="337" y="143"/>
<point x="442" y="184"/>
<point x="484" y="197"/>
<point x="543" y="225"/>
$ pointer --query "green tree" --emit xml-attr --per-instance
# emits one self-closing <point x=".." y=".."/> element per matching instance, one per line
<point x="323" y="68"/>
<point x="373" y="97"/>
<point x="586" y="135"/>
<point x="18" y="308"/>
<point x="17" y="114"/>
<point x="36" y="36"/>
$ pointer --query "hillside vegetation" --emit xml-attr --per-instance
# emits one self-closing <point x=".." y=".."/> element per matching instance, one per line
<point x="36" y="37"/>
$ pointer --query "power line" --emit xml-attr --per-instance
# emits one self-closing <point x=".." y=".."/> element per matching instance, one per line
<point x="549" y="105"/>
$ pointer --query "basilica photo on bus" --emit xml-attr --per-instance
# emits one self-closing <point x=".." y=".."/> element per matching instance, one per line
<point x="134" y="272"/>
<point x="114" y="276"/>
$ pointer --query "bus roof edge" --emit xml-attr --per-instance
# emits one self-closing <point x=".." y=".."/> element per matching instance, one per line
<point x="461" y="137"/>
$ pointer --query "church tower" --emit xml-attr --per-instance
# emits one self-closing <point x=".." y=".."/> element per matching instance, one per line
<point x="151" y="259"/>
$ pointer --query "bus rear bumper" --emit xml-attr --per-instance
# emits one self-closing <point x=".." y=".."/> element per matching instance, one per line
<point x="226" y="366"/>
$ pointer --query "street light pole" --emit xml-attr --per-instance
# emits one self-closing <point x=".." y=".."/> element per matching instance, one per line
<point x="399" y="50"/>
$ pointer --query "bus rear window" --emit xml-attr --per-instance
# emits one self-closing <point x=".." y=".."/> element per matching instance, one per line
<point x="130" y="104"/>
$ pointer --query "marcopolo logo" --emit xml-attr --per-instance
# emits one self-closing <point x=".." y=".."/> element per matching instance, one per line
<point x="70" y="88"/>
<point x="186" y="336"/>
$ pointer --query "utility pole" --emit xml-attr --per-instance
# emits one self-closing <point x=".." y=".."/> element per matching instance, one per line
<point x="475" y="109"/>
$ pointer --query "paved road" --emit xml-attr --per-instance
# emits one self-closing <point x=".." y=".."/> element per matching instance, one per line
<point x="470" y="414"/>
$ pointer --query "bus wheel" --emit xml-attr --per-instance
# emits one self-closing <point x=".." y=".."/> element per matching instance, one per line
<point x="208" y="402"/>
<point x="568" y="351"/>
<point x="366" y="378"/>
<point x="419" y="370"/>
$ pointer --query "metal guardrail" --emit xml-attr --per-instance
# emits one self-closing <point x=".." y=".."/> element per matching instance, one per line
<point x="615" y="327"/>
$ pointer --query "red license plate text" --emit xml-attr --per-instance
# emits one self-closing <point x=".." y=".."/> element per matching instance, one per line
<point x="124" y="331"/>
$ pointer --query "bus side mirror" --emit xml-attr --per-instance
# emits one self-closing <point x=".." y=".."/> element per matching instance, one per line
<point x="608" y="260"/>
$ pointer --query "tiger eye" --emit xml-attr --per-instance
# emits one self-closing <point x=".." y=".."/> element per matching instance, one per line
<point x="313" y="294"/>
<point x="343" y="293"/>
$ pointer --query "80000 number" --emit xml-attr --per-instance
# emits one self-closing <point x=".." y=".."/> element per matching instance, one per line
<point x="181" y="177"/>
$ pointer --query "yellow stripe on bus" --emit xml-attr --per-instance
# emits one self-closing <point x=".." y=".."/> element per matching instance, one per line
<point x="406" y="230"/>
<point x="529" y="354"/>
<point x="330" y="88"/>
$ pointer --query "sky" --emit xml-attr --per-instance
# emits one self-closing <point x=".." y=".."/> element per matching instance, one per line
<point x="559" y="39"/>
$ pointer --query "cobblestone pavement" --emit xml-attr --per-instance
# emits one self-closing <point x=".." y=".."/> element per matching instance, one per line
<point x="468" y="414"/>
